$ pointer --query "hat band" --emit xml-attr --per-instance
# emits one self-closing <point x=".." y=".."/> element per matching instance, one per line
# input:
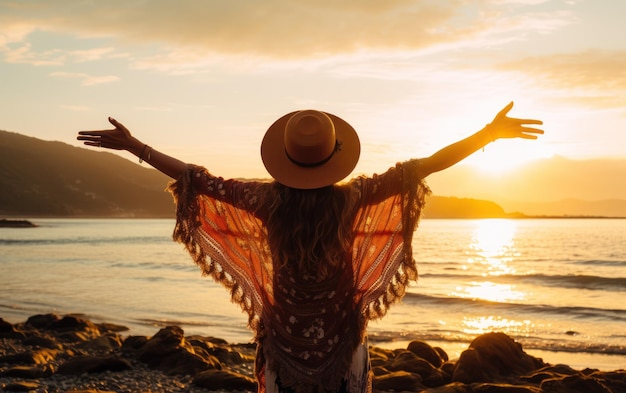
<point x="314" y="164"/>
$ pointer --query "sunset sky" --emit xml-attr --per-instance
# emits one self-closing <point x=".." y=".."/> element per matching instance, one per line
<point x="202" y="80"/>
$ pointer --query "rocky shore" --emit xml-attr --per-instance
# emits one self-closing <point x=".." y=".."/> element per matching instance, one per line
<point x="50" y="353"/>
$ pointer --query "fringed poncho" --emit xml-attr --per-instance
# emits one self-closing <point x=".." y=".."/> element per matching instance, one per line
<point x="306" y="331"/>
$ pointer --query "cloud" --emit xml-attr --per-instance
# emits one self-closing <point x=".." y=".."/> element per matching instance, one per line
<point x="86" y="79"/>
<point x="23" y="54"/>
<point x="277" y="29"/>
<point x="16" y="45"/>
<point x="595" y="77"/>
<point x="92" y="54"/>
<point x="76" y="108"/>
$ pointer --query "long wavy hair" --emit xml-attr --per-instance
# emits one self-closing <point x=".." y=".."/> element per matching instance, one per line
<point x="310" y="230"/>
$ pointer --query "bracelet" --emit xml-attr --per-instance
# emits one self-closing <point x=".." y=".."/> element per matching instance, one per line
<point x="490" y="137"/>
<point x="142" y="153"/>
<point x="489" y="130"/>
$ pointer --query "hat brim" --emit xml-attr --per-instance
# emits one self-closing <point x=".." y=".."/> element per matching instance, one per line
<point x="286" y="172"/>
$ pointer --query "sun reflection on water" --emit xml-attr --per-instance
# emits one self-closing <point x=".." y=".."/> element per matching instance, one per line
<point x="485" y="324"/>
<point x="493" y="246"/>
<point x="489" y="291"/>
<point x="491" y="254"/>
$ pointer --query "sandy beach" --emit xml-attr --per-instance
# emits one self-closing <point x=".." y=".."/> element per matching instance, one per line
<point x="68" y="353"/>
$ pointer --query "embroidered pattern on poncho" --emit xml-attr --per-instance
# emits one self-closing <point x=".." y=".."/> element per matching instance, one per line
<point x="307" y="331"/>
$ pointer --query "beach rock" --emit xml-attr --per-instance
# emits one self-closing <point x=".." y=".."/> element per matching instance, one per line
<point x="454" y="387"/>
<point x="408" y="361"/>
<point x="93" y="364"/>
<point x="169" y="352"/>
<point x="379" y="356"/>
<point x="73" y="329"/>
<point x="224" y="380"/>
<point x="41" y="321"/>
<point x="133" y="343"/>
<point x="614" y="380"/>
<point x="574" y="384"/>
<point x="26" y="372"/>
<point x="222" y="351"/>
<point x="7" y="330"/>
<point x="426" y="352"/>
<point x="41" y="356"/>
<point x="107" y="327"/>
<point x="494" y="357"/>
<point x="549" y="372"/>
<point x="398" y="381"/>
<point x="22" y="386"/>
<point x="97" y="360"/>
<point x="104" y="343"/>
<point x="5" y="326"/>
<point x="503" y="388"/>
<point x="37" y="341"/>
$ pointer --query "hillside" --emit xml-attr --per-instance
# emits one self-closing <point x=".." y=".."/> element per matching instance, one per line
<point x="553" y="186"/>
<point x="41" y="178"/>
<point x="452" y="207"/>
<point x="53" y="179"/>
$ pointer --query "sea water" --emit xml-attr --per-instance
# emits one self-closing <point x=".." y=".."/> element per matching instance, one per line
<point x="557" y="286"/>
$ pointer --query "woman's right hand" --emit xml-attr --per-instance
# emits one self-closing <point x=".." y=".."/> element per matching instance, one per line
<point x="118" y="138"/>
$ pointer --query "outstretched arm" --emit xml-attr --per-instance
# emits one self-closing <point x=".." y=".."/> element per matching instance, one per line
<point x="119" y="138"/>
<point x="502" y="126"/>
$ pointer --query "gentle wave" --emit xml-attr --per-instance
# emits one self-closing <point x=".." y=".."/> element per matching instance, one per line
<point x="595" y="262"/>
<point x="535" y="343"/>
<point x="561" y="281"/>
<point x="135" y="240"/>
<point x="188" y="266"/>
<point x="599" y="314"/>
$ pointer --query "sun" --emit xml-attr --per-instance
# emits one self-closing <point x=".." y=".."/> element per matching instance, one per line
<point x="505" y="156"/>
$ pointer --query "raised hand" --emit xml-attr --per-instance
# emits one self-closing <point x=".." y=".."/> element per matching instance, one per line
<point x="118" y="138"/>
<point x="503" y="126"/>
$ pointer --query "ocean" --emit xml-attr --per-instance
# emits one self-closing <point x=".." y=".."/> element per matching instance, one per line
<point x="557" y="286"/>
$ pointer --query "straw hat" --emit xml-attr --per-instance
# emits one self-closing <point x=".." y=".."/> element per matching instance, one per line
<point x="310" y="149"/>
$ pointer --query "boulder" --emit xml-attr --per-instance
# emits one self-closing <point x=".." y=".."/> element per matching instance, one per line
<point x="224" y="380"/>
<point x="494" y="357"/>
<point x="105" y="343"/>
<point x="78" y="365"/>
<point x="398" y="381"/>
<point x="169" y="352"/>
<point x="408" y="361"/>
<point x="426" y="352"/>
<point x="574" y="384"/>
<point x="24" y="386"/>
<point x="504" y="388"/>
<point x="24" y="372"/>
<point x="74" y="329"/>
<point x="37" y="357"/>
<point x="41" y="321"/>
<point x="38" y="341"/>
<point x="455" y="387"/>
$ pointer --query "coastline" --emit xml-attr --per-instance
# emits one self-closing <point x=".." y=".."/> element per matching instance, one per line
<point x="51" y="353"/>
<point x="15" y="223"/>
<point x="576" y="360"/>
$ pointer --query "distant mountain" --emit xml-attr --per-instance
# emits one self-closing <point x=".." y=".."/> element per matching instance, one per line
<point x="553" y="186"/>
<point x="570" y="207"/>
<point x="42" y="179"/>
<point x="452" y="207"/>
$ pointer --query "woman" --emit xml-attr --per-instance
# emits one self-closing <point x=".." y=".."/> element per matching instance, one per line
<point x="311" y="261"/>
